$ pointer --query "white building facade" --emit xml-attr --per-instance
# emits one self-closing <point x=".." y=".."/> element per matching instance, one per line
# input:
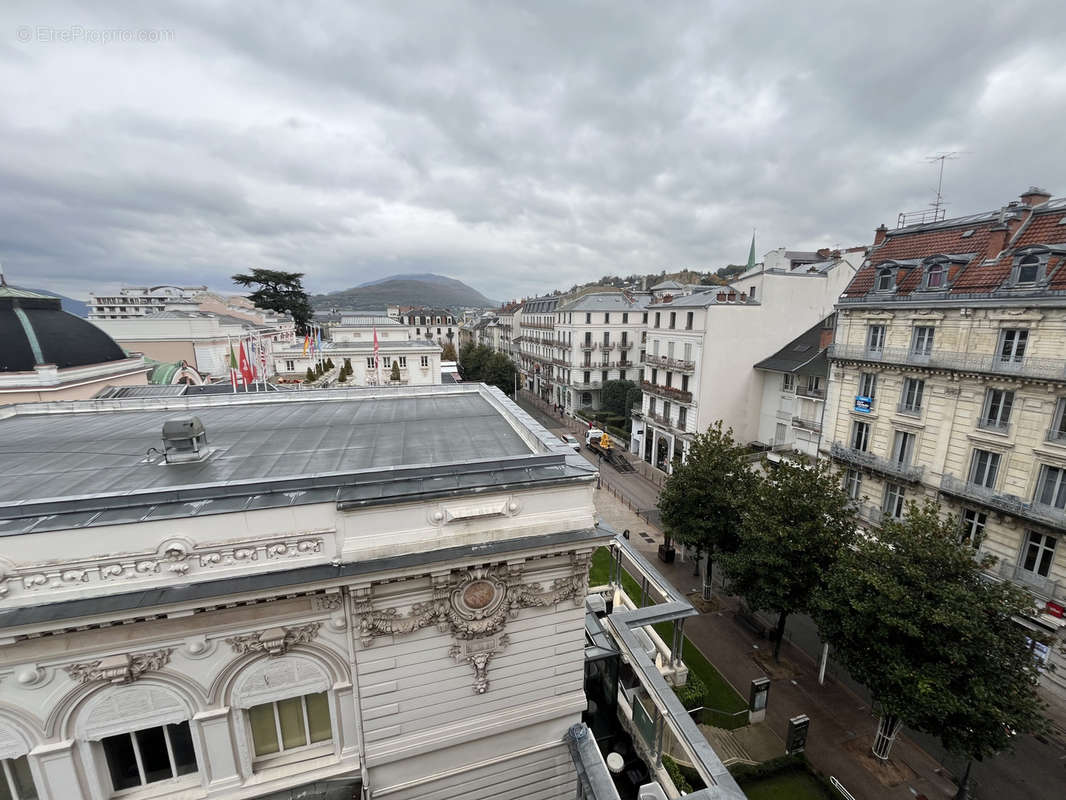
<point x="140" y="301"/>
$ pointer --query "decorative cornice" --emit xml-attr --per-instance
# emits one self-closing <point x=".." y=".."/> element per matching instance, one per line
<point x="275" y="641"/>
<point x="123" y="668"/>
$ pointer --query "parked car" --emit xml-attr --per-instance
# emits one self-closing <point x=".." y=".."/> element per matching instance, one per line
<point x="571" y="442"/>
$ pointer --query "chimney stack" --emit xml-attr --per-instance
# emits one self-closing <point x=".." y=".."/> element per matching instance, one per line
<point x="1034" y="196"/>
<point x="880" y="234"/>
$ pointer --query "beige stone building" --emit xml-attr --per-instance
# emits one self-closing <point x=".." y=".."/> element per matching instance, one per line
<point x="948" y="382"/>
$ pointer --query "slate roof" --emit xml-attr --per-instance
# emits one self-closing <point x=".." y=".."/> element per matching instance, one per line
<point x="802" y="356"/>
<point x="607" y="301"/>
<point x="35" y="330"/>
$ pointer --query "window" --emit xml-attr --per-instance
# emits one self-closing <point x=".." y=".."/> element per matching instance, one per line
<point x="651" y="406"/>
<point x="425" y="361"/>
<point x="875" y="338"/>
<point x="684" y="383"/>
<point x="885" y="280"/>
<point x="625" y="319"/>
<point x="1058" y="423"/>
<point x="814" y="384"/>
<point x="922" y="345"/>
<point x="16" y="780"/>
<point x="688" y="320"/>
<point x="1012" y="344"/>
<point x="669" y="381"/>
<point x="666" y="410"/>
<point x="606" y="338"/>
<point x="997" y="408"/>
<point x="903" y="448"/>
<point x="788" y="382"/>
<point x="149" y="755"/>
<point x="621" y="374"/>
<point x="935" y="275"/>
<point x="1038" y="553"/>
<point x="853" y="483"/>
<point x="673" y="319"/>
<point x="751" y="292"/>
<point x="604" y="376"/>
<point x="588" y="377"/>
<point x="588" y="317"/>
<point x="1051" y="489"/>
<point x="644" y="317"/>
<point x="868" y="385"/>
<point x="860" y="435"/>
<point x="290" y="366"/>
<point x="910" y="399"/>
<point x="370" y="363"/>
<point x="682" y="417"/>
<point x="983" y="468"/>
<point x="894" y="496"/>
<point x="588" y="338"/>
<point x="1028" y="269"/>
<point x="625" y="338"/>
<point x="654" y="375"/>
<point x="403" y="362"/>
<point x="973" y="527"/>
<point x="606" y="317"/>
<point x="289" y="724"/>
<point x="657" y="320"/>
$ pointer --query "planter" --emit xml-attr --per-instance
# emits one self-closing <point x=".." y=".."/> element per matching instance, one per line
<point x="667" y="553"/>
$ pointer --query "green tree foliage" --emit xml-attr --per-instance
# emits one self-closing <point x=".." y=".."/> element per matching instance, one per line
<point x="480" y="363"/>
<point x="615" y="396"/>
<point x="310" y="376"/>
<point x="279" y="291"/>
<point x="471" y="360"/>
<point x="343" y="376"/>
<point x="703" y="500"/>
<point x="329" y="364"/>
<point x="448" y="352"/>
<point x="792" y="533"/>
<point x="911" y="617"/>
<point x="395" y="374"/>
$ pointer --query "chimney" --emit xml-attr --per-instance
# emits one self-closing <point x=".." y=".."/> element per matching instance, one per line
<point x="1034" y="196"/>
<point x="998" y="235"/>
<point x="880" y="234"/>
<point x="825" y="338"/>
<point x="823" y="252"/>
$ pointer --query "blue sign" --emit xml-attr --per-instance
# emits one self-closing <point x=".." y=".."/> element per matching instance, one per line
<point x="863" y="404"/>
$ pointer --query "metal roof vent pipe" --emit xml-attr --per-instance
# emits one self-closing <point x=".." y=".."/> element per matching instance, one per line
<point x="184" y="441"/>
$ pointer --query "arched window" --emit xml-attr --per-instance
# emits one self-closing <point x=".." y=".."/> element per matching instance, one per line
<point x="1029" y="269"/>
<point x="885" y="280"/>
<point x="935" y="276"/>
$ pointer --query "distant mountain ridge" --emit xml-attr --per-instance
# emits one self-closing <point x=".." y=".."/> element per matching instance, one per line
<point x="68" y="304"/>
<point x="427" y="289"/>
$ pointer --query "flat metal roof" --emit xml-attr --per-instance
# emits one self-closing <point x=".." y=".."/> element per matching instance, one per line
<point x="91" y="463"/>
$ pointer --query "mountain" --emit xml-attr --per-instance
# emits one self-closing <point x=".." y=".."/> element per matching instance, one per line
<point x="69" y="304"/>
<point x="434" y="291"/>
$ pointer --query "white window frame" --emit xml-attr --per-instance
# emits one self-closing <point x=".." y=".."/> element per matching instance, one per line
<point x="814" y="383"/>
<point x="788" y="382"/>
<point x="875" y="338"/>
<point x="1013" y="343"/>
<point x="894" y="501"/>
<point x="290" y="366"/>
<point x="1057" y="431"/>
<point x="996" y="411"/>
<point x="425" y="361"/>
<point x="1041" y="546"/>
<point x="911" y="396"/>
<point x="984" y="468"/>
<point x="973" y="523"/>
<point x="174" y="777"/>
<point x="9" y="775"/>
<point x="285" y="752"/>
<point x="853" y="483"/>
<point x="903" y="447"/>
<point x="868" y="384"/>
<point x="939" y="270"/>
<point x="1058" y="484"/>
<point x="922" y="340"/>
<point x="883" y="285"/>
<point x="856" y="426"/>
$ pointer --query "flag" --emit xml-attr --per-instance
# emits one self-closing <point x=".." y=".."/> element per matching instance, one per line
<point x="232" y="368"/>
<point x="307" y="342"/>
<point x="318" y="340"/>
<point x="375" y="346"/>
<point x="246" y="367"/>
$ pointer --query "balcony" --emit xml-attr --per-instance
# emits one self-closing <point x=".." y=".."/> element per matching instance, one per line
<point x="994" y="426"/>
<point x="870" y="513"/>
<point x="588" y="346"/>
<point x="817" y="394"/>
<point x="1004" y="503"/>
<point x="583" y="386"/>
<point x="680" y="395"/>
<point x="625" y="346"/>
<point x="1045" y="587"/>
<point x="807" y="424"/>
<point x="907" y="472"/>
<point x="607" y="346"/>
<point x="1046" y="368"/>
<point x="669" y="363"/>
<point x="908" y="410"/>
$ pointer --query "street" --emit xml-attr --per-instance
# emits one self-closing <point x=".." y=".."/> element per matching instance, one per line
<point x="840" y="709"/>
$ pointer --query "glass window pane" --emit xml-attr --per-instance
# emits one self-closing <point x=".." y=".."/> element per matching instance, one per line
<point x="154" y="757"/>
<point x="121" y="762"/>
<point x="264" y="730"/>
<point x="5" y="790"/>
<point x="318" y="717"/>
<point x="291" y="714"/>
<point x="181" y="747"/>
<point x="20" y="771"/>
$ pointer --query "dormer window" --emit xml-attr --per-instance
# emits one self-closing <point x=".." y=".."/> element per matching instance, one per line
<point x="886" y="280"/>
<point x="1028" y="269"/>
<point x="1030" y="266"/>
<point x="935" y="276"/>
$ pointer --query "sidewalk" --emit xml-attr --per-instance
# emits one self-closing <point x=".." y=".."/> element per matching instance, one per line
<point x="842" y="725"/>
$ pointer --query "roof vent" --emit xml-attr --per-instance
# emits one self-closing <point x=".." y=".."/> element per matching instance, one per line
<point x="184" y="441"/>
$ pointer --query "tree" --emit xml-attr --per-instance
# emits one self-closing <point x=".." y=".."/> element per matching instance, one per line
<point x="310" y="376"/>
<point x="448" y="352"/>
<point x="343" y="376"/>
<point x="279" y="291"/>
<point x="471" y="360"/>
<point x="702" y="502"/>
<point x="499" y="371"/>
<point x="329" y="364"/>
<point x="911" y="616"/>
<point x="615" y="395"/>
<point x="395" y="374"/>
<point x="792" y="533"/>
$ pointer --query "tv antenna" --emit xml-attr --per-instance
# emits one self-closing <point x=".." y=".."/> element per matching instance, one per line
<point x="941" y="157"/>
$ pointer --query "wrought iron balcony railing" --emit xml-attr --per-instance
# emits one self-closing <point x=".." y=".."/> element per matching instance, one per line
<point x="807" y="424"/>
<point x="1005" y="503"/>
<point x="680" y="395"/>
<point x="1038" y="584"/>
<point x="679" y="364"/>
<point x="912" y="473"/>
<point x="803" y="391"/>
<point x="1048" y="368"/>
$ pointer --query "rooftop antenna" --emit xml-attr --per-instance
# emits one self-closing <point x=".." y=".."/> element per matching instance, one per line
<point x="941" y="157"/>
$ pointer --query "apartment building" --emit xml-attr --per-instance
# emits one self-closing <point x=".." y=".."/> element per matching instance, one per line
<point x="538" y="347"/>
<point x="140" y="301"/>
<point x="600" y="338"/>
<point x="701" y="349"/>
<point x="431" y="324"/>
<point x="948" y="382"/>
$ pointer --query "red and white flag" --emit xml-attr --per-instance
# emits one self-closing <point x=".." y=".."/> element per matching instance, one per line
<point x="245" y="367"/>
<point x="376" y="363"/>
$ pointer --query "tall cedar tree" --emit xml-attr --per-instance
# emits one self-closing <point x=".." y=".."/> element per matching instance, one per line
<point x="791" y="536"/>
<point x="910" y="615"/>
<point x="279" y="291"/>
<point x="448" y="352"/>
<point x="703" y="500"/>
<point x="615" y="396"/>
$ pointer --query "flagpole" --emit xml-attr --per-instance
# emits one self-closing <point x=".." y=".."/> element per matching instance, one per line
<point x="229" y="362"/>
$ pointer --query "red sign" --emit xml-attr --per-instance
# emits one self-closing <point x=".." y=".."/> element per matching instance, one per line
<point x="1055" y="610"/>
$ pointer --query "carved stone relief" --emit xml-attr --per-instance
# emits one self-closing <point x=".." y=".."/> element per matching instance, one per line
<point x="122" y="668"/>
<point x="275" y="641"/>
<point x="177" y="557"/>
<point x="131" y="708"/>
<point x="273" y="679"/>
<point x="472" y="605"/>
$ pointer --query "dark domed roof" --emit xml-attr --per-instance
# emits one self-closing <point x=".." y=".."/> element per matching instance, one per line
<point x="35" y="330"/>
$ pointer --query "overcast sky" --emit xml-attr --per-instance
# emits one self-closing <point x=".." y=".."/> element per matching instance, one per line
<point x="517" y="148"/>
